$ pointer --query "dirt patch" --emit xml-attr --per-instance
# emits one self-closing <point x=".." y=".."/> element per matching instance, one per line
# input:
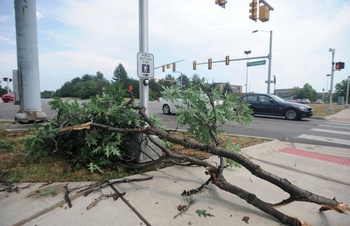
<point x="15" y="167"/>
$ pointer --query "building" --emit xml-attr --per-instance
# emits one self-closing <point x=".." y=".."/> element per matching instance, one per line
<point x="285" y="93"/>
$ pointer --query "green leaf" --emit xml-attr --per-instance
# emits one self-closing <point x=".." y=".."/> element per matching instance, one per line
<point x="204" y="213"/>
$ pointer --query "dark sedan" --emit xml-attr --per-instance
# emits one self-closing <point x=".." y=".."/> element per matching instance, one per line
<point x="268" y="104"/>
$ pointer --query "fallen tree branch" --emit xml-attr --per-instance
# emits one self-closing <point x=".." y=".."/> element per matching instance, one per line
<point x="296" y="193"/>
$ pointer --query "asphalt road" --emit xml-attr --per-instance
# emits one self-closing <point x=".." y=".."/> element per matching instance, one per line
<point x="304" y="131"/>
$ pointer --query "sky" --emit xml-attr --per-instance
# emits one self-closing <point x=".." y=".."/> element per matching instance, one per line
<point x="78" y="37"/>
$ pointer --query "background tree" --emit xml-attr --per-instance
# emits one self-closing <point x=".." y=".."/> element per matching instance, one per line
<point x="120" y="75"/>
<point x="184" y="81"/>
<point x="227" y="88"/>
<point x="155" y="90"/>
<point x="340" y="89"/>
<point x="3" y="90"/>
<point x="47" y="94"/>
<point x="84" y="87"/>
<point x="135" y="86"/>
<point x="306" y="92"/>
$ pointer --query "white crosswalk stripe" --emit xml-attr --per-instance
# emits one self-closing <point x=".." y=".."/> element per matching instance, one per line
<point x="325" y="139"/>
<point x="331" y="131"/>
<point x="326" y="133"/>
<point x="335" y="126"/>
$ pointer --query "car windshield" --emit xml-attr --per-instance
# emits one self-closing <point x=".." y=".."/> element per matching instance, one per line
<point x="277" y="98"/>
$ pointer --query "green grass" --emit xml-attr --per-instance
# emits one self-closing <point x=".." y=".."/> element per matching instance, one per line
<point x="320" y="110"/>
<point x="15" y="167"/>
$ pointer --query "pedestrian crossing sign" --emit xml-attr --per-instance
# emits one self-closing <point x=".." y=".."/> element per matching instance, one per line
<point x="145" y="65"/>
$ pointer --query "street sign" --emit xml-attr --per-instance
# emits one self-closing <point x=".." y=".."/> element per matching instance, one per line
<point x="145" y="65"/>
<point x="256" y="63"/>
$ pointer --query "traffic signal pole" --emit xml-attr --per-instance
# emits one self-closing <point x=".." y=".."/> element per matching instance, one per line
<point x="330" y="108"/>
<point x="143" y="48"/>
<point x="27" y="76"/>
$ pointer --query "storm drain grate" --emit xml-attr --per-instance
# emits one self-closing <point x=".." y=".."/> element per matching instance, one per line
<point x="308" y="154"/>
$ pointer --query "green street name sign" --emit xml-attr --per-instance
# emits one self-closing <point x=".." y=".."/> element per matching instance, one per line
<point x="256" y="63"/>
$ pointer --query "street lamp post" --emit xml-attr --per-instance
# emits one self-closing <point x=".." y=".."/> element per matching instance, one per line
<point x="347" y="95"/>
<point x="330" y="109"/>
<point x="247" y="52"/>
<point x="181" y="74"/>
<point x="270" y="59"/>
<point x="327" y="90"/>
<point x="322" y="94"/>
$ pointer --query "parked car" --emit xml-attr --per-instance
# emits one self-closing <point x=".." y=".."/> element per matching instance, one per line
<point x="319" y="101"/>
<point x="268" y="104"/>
<point x="305" y="101"/>
<point x="168" y="107"/>
<point x="7" y="97"/>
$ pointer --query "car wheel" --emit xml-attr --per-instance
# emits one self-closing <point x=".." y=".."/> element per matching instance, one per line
<point x="166" y="109"/>
<point x="291" y="114"/>
<point x="6" y="101"/>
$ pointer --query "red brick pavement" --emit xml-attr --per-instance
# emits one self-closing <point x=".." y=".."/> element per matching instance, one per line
<point x="309" y="154"/>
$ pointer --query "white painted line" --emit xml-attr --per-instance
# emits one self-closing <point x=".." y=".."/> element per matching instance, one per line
<point x="331" y="131"/>
<point x="338" y="123"/>
<point x="340" y="127"/>
<point x="325" y="139"/>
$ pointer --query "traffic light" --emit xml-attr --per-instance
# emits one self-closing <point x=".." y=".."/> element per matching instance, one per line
<point x="163" y="68"/>
<point x="264" y="12"/>
<point x="339" y="65"/>
<point x="253" y="10"/>
<point x="227" y="60"/>
<point x="210" y="63"/>
<point x="194" y="65"/>
<point x="221" y="3"/>
<point x="167" y="66"/>
<point x="174" y="67"/>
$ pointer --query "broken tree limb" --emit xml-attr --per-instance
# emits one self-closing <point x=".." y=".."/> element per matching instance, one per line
<point x="296" y="193"/>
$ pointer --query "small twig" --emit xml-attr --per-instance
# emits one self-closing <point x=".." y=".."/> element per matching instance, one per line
<point x="185" y="208"/>
<point x="43" y="185"/>
<point x="195" y="191"/>
<point x="95" y="202"/>
<point x="66" y="196"/>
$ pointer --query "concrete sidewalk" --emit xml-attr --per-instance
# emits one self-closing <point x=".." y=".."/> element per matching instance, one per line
<point x="322" y="170"/>
<point x="343" y="115"/>
<point x="156" y="200"/>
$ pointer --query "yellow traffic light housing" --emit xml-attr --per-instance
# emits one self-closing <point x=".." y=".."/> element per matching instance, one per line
<point x="194" y="65"/>
<point x="210" y="63"/>
<point x="264" y="13"/>
<point x="167" y="66"/>
<point x="227" y="60"/>
<point x="253" y="10"/>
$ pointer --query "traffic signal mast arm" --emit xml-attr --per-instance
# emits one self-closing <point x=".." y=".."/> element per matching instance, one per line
<point x="238" y="59"/>
<point x="166" y="65"/>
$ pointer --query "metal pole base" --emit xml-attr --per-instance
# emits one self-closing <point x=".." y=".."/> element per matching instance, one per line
<point x="330" y="111"/>
<point x="30" y="116"/>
